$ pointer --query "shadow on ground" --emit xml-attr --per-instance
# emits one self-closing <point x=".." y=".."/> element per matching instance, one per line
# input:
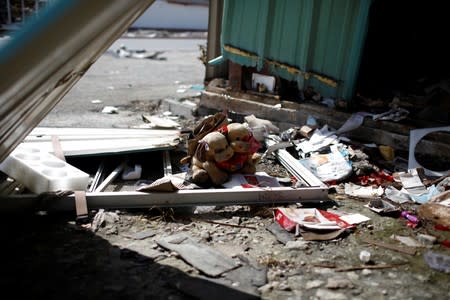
<point x="47" y="257"/>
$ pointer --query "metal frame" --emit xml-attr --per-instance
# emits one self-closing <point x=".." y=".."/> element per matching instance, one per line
<point x="197" y="197"/>
<point x="313" y="191"/>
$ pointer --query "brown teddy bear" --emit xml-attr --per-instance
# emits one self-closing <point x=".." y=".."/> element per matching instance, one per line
<point x="245" y="148"/>
<point x="212" y="150"/>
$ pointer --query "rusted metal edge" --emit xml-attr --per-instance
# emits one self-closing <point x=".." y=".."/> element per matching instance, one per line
<point x="290" y="69"/>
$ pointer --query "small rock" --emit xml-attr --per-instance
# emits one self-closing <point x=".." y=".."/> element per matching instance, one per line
<point x="236" y="220"/>
<point x="205" y="235"/>
<point x="283" y="286"/>
<point x="297" y="245"/>
<point x="366" y="272"/>
<point x="329" y="295"/>
<point x="422" y="278"/>
<point x="313" y="284"/>
<point x="275" y="284"/>
<point x="339" y="283"/>
<point x="265" y="288"/>
<point x="392" y="275"/>
<point x="353" y="276"/>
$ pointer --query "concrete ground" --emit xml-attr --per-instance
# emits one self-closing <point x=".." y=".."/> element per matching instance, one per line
<point x="125" y="82"/>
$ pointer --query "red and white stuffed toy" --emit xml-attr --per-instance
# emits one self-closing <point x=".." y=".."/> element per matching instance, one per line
<point x="245" y="148"/>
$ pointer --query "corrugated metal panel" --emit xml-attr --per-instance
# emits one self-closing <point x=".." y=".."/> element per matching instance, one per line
<point x="314" y="42"/>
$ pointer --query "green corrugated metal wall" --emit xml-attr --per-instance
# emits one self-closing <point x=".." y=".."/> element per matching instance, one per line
<point x="317" y="43"/>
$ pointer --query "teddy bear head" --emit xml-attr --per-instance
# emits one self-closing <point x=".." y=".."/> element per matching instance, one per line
<point x="240" y="138"/>
<point x="214" y="147"/>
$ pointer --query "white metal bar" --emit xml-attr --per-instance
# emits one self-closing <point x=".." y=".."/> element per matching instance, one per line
<point x="294" y="166"/>
<point x="121" y="200"/>
<point x="110" y="178"/>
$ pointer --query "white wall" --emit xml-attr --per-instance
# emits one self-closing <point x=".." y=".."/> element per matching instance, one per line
<point x="164" y="15"/>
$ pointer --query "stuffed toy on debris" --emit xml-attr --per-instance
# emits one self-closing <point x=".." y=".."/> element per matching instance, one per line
<point x="245" y="148"/>
<point x="212" y="150"/>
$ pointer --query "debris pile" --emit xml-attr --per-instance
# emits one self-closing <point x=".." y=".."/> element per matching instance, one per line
<point x="305" y="211"/>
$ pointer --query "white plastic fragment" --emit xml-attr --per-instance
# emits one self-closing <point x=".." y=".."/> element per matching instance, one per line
<point x="364" y="256"/>
<point x="42" y="172"/>
<point x="110" y="110"/>
<point x="415" y="136"/>
<point x="426" y="239"/>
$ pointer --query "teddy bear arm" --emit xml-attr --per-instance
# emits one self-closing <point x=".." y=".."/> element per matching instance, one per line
<point x="249" y="166"/>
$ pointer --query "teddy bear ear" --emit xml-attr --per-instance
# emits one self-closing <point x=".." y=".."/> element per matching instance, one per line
<point x="201" y="150"/>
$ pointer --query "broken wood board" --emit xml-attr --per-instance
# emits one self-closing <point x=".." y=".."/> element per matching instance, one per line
<point x="88" y="141"/>
<point x="181" y="198"/>
<point x="209" y="261"/>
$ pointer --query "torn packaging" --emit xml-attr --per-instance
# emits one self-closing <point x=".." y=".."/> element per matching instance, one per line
<point x="309" y="218"/>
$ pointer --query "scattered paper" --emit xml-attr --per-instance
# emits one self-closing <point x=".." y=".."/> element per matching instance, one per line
<point x="355" y="120"/>
<point x="311" y="218"/>
<point x="354" y="218"/>
<point x="397" y="196"/>
<point x="320" y="139"/>
<point x="355" y="190"/>
<point x="328" y="167"/>
<point x="259" y="179"/>
<point x="161" y="122"/>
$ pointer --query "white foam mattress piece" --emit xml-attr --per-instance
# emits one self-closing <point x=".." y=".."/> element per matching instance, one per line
<point x="42" y="172"/>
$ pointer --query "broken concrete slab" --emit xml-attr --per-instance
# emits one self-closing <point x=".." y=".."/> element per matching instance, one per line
<point x="280" y="233"/>
<point x="209" y="261"/>
<point x="143" y="234"/>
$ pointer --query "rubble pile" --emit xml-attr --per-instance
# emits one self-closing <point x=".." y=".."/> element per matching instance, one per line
<point x="263" y="235"/>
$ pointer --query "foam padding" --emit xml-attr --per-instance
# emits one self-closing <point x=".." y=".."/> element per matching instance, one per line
<point x="41" y="171"/>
